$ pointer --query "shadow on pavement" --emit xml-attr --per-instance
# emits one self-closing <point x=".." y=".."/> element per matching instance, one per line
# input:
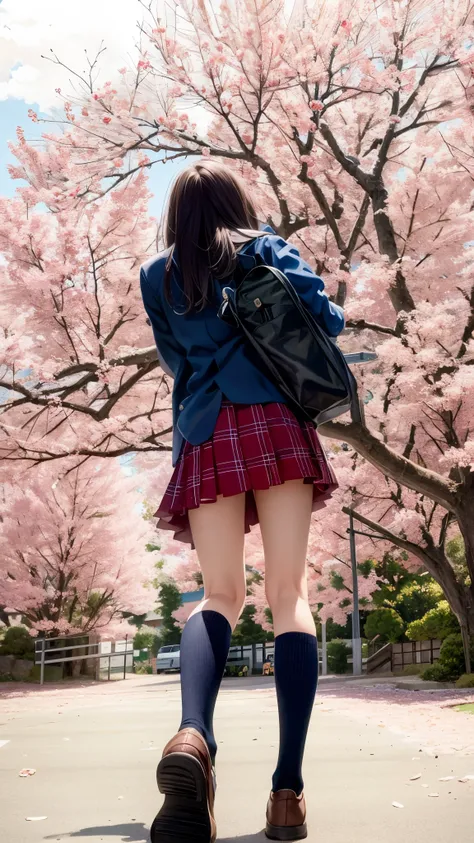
<point x="126" y="833"/>
<point x="138" y="832"/>
<point x="246" y="838"/>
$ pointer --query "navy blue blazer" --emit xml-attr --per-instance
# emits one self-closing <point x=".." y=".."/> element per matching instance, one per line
<point x="208" y="358"/>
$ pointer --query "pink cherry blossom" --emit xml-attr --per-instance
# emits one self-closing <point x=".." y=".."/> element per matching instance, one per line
<point x="71" y="542"/>
<point x="381" y="209"/>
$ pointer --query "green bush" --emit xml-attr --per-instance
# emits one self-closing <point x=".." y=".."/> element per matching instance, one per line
<point x="417" y="598"/>
<point x="451" y="664"/>
<point x="236" y="670"/>
<point x="435" y="673"/>
<point x="437" y="623"/>
<point x="142" y="669"/>
<point x="415" y="631"/>
<point x="465" y="681"/>
<point x="386" y="624"/>
<point x="145" y="638"/>
<point x="247" y="630"/>
<point x="338" y="653"/>
<point x="18" y="642"/>
<point x="452" y="655"/>
<point x="52" y="673"/>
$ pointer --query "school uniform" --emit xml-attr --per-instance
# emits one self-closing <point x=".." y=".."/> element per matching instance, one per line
<point x="232" y="429"/>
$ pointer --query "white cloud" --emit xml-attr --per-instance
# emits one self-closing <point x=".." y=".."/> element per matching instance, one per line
<point x="30" y="28"/>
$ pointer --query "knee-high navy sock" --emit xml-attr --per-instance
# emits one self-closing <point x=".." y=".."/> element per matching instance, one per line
<point x="204" y="649"/>
<point x="296" y="679"/>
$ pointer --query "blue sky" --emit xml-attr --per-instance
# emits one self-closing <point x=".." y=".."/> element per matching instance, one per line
<point x="31" y="31"/>
<point x="14" y="112"/>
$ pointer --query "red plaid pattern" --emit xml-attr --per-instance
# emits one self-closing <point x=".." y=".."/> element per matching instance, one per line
<point x="253" y="447"/>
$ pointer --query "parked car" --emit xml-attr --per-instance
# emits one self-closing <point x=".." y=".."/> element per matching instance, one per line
<point x="168" y="658"/>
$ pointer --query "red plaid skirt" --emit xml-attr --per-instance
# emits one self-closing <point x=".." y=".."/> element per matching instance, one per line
<point x="253" y="447"/>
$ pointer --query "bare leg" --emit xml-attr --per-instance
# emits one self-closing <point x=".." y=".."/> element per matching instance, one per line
<point x="285" y="514"/>
<point x="218" y="533"/>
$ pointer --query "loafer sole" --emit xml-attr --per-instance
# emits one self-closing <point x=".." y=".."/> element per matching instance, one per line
<point x="185" y="816"/>
<point x="286" y="832"/>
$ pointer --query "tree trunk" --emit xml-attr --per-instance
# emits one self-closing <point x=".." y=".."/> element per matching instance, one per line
<point x="465" y="518"/>
<point x="79" y="663"/>
<point x="466" y="643"/>
<point x="76" y="668"/>
<point x="4" y="617"/>
<point x="464" y="612"/>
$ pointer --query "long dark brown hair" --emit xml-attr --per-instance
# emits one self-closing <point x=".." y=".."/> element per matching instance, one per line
<point x="207" y="206"/>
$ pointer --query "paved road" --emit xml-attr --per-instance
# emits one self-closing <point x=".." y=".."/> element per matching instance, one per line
<point x="96" y="748"/>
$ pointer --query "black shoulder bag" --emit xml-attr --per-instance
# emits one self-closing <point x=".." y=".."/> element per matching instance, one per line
<point x="297" y="355"/>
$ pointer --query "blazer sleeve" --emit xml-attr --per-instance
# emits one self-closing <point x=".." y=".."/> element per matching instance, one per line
<point x="309" y="286"/>
<point x="170" y="352"/>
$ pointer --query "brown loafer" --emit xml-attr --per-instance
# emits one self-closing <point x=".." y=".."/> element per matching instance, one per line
<point x="185" y="775"/>
<point x="286" y="816"/>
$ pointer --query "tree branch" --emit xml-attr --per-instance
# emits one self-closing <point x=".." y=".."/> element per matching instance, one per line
<point x="394" y="465"/>
<point x="362" y="325"/>
<point x="433" y="559"/>
<point x="140" y="357"/>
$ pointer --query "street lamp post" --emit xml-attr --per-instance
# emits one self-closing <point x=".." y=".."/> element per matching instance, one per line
<point x="356" y="640"/>
<point x="351" y="358"/>
<point x="324" y="650"/>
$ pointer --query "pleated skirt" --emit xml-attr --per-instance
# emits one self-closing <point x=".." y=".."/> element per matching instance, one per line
<point x="253" y="447"/>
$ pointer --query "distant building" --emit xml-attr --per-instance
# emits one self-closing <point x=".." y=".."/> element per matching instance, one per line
<point x="190" y="599"/>
<point x="192" y="596"/>
<point x="154" y="620"/>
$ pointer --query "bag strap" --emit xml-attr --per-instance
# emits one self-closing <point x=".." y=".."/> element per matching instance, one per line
<point x="228" y="305"/>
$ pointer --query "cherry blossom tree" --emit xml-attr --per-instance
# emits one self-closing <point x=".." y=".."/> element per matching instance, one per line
<point x="72" y="550"/>
<point x="353" y="125"/>
<point x="77" y="379"/>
